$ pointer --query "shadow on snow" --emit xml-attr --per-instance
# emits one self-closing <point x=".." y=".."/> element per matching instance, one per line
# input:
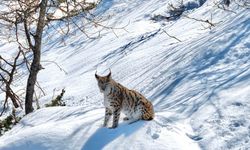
<point x="104" y="136"/>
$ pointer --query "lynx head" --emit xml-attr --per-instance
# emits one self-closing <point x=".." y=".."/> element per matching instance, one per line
<point x="103" y="81"/>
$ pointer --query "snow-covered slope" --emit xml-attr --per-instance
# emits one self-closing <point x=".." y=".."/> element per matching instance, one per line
<point x="199" y="86"/>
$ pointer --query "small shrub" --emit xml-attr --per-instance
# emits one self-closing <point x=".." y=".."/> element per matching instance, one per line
<point x="158" y="18"/>
<point x="176" y="11"/>
<point x="7" y="123"/>
<point x="57" y="101"/>
<point x="173" y="13"/>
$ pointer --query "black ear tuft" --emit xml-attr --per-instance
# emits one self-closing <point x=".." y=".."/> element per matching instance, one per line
<point x="96" y="76"/>
<point x="109" y="75"/>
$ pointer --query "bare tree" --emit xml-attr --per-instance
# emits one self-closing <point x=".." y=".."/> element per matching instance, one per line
<point x="31" y="18"/>
<point x="8" y="70"/>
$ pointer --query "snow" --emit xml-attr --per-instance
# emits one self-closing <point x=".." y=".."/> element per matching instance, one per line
<point x="199" y="87"/>
<point x="85" y="132"/>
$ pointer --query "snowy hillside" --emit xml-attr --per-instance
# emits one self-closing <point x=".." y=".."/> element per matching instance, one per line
<point x="198" y="81"/>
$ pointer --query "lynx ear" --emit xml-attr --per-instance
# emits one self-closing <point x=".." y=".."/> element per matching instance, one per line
<point x="109" y="75"/>
<point x="96" y="76"/>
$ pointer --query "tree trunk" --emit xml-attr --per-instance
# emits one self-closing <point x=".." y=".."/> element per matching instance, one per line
<point x="35" y="66"/>
<point x="32" y="80"/>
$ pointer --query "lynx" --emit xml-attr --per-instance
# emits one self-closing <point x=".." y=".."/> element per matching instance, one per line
<point x="118" y="98"/>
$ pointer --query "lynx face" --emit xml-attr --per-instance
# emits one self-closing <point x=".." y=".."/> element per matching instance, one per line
<point x="103" y="82"/>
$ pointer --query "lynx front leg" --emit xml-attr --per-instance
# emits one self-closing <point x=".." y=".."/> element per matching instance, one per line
<point x="108" y="114"/>
<point x="116" y="116"/>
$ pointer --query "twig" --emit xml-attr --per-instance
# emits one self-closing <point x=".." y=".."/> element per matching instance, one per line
<point x="218" y="5"/>
<point x="204" y="21"/>
<point x="56" y="65"/>
<point x="171" y="36"/>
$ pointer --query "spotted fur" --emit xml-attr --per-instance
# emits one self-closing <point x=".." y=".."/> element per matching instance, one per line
<point x="118" y="98"/>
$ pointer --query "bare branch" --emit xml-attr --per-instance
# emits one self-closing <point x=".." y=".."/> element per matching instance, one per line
<point x="7" y="81"/>
<point x="220" y="6"/>
<point x="171" y="36"/>
<point x="209" y="22"/>
<point x="27" y="33"/>
<point x="57" y="65"/>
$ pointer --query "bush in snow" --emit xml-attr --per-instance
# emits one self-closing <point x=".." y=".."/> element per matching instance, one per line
<point x="57" y="101"/>
<point x="177" y="8"/>
<point x="7" y="123"/>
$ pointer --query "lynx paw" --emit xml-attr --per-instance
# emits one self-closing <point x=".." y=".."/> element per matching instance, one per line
<point x="113" y="127"/>
<point x="125" y="118"/>
<point x="104" y="125"/>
